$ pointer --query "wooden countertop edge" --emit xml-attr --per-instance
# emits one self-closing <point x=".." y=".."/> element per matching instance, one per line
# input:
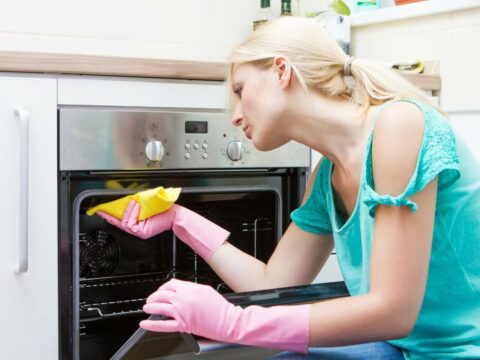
<point x="12" y="61"/>
<point x="52" y="63"/>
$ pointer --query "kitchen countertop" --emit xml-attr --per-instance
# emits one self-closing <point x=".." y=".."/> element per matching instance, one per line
<point x="52" y="63"/>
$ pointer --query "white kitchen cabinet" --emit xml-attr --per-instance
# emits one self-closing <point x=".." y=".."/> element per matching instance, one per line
<point x="28" y="221"/>
<point x="330" y="271"/>
<point x="139" y="92"/>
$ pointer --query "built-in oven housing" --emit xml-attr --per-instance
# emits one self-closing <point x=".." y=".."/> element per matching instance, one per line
<point x="106" y="274"/>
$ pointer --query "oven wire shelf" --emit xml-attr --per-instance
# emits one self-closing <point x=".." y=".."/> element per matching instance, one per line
<point x="109" y="297"/>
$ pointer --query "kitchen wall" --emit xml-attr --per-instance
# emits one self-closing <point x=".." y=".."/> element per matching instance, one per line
<point x="451" y="38"/>
<point x="208" y="29"/>
<point x="180" y="29"/>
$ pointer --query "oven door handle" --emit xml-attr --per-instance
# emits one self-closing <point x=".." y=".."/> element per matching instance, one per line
<point x="199" y="345"/>
<point x="21" y="265"/>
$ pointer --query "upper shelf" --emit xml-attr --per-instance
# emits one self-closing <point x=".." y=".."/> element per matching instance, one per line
<point x="410" y="11"/>
<point x="137" y="67"/>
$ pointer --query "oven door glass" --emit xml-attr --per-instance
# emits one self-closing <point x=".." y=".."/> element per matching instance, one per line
<point x="114" y="272"/>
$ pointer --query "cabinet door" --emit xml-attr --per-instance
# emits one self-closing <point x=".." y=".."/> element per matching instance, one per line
<point x="330" y="271"/>
<point x="28" y="221"/>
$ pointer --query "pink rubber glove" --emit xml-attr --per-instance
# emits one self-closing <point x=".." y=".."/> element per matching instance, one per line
<point x="200" y="310"/>
<point x="202" y="235"/>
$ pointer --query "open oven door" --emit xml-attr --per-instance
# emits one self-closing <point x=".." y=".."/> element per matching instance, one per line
<point x="149" y="345"/>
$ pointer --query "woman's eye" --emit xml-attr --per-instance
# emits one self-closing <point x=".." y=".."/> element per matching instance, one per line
<point x="238" y="92"/>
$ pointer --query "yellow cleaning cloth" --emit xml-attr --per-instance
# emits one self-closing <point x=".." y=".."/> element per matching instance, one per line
<point x="152" y="202"/>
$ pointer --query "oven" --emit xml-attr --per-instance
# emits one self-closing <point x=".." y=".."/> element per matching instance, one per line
<point x="106" y="152"/>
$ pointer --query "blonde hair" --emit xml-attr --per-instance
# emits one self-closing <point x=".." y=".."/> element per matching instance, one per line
<point x="318" y="63"/>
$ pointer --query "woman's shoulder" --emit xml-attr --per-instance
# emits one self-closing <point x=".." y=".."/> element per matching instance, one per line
<point x="413" y="122"/>
<point x="413" y="137"/>
<point x="412" y="111"/>
<point x="400" y="119"/>
<point x="398" y="131"/>
<point x="397" y="142"/>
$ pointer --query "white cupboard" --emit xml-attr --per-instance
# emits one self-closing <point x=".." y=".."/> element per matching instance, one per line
<point x="28" y="186"/>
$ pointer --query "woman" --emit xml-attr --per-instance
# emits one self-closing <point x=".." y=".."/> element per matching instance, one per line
<point x="396" y="193"/>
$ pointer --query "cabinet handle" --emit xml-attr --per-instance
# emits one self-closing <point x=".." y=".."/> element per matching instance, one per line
<point x="22" y="262"/>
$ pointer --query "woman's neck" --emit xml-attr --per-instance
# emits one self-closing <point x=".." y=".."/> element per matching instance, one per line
<point x="333" y="127"/>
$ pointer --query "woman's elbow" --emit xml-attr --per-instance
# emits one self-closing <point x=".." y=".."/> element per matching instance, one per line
<point x="404" y="323"/>
<point x="401" y="316"/>
<point x="403" y="329"/>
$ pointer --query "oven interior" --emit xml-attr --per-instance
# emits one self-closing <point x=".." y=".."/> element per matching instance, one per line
<point x="117" y="271"/>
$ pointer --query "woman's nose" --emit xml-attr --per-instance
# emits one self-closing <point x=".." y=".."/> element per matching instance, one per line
<point x="237" y="116"/>
<point x="237" y="121"/>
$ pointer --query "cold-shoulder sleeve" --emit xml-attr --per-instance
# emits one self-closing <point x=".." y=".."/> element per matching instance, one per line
<point x="313" y="215"/>
<point x="437" y="157"/>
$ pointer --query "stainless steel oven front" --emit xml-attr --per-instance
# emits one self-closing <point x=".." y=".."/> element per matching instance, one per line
<point x="105" y="274"/>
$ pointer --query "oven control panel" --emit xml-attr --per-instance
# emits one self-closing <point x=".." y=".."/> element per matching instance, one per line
<point x="93" y="139"/>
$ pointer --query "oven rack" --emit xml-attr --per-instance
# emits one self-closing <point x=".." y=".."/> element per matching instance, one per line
<point x="139" y="279"/>
<point x="109" y="309"/>
<point x="117" y="296"/>
<point x="123" y="280"/>
<point x="124" y="295"/>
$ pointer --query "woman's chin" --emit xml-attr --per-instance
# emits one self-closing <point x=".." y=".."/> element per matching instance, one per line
<point x="263" y="146"/>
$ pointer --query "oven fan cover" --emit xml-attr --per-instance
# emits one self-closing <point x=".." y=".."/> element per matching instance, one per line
<point x="99" y="254"/>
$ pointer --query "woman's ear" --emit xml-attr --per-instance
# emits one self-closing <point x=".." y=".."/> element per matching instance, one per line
<point x="283" y="71"/>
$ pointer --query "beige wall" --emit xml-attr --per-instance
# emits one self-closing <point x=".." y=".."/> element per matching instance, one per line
<point x="180" y="29"/>
<point x="452" y="38"/>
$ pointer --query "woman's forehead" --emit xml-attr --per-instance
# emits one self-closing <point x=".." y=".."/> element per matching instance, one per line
<point x="242" y="70"/>
<point x="236" y="74"/>
<point x="237" y="69"/>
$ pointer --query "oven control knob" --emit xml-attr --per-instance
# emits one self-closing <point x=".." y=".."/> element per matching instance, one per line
<point x="235" y="150"/>
<point x="154" y="150"/>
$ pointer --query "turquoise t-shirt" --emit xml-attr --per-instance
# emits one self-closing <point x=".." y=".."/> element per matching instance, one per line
<point x="448" y="325"/>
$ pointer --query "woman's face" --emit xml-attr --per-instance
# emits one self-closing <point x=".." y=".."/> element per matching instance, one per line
<point x="260" y="106"/>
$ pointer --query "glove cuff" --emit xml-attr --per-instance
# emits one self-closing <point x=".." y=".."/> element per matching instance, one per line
<point x="201" y="235"/>
<point x="277" y="327"/>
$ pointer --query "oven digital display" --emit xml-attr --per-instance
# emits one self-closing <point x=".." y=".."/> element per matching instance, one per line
<point x="196" y="127"/>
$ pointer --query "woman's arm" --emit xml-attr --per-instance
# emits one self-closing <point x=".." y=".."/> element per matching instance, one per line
<point x="399" y="268"/>
<point x="297" y="259"/>
<point x="401" y="245"/>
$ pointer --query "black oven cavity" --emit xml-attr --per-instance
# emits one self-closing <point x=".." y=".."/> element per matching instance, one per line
<point x="106" y="274"/>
